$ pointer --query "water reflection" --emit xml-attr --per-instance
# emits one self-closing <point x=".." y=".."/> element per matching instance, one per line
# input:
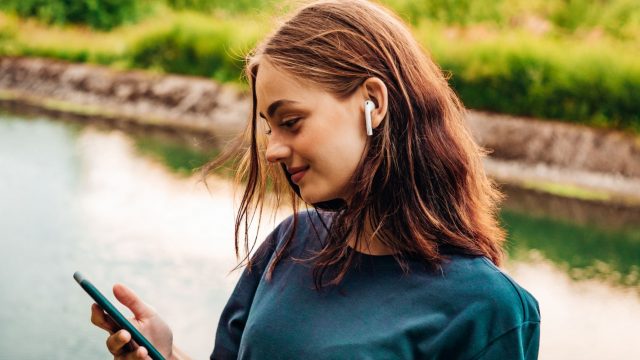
<point x="592" y="241"/>
<point x="181" y="155"/>
<point x="82" y="198"/>
<point x="580" y="319"/>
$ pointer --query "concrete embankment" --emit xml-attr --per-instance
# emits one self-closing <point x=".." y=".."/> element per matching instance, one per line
<point x="566" y="159"/>
<point x="142" y="98"/>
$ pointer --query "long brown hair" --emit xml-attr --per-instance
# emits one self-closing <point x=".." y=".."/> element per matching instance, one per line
<point x="421" y="180"/>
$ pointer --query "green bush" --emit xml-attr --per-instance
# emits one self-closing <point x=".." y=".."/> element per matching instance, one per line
<point x="235" y="6"/>
<point x="460" y="12"/>
<point x="214" y="49"/>
<point x="618" y="18"/>
<point x="99" y="14"/>
<point x="596" y="85"/>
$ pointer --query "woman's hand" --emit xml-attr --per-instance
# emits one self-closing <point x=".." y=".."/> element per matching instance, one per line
<point x="145" y="319"/>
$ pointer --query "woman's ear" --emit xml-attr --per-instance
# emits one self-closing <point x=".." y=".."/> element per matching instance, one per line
<point x="376" y="91"/>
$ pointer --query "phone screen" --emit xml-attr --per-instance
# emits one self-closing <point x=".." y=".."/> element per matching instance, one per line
<point x="116" y="315"/>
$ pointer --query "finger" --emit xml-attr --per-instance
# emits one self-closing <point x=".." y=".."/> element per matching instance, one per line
<point x="129" y="299"/>
<point x="128" y="351"/>
<point x="129" y="347"/>
<point x="102" y="320"/>
<point x="140" y="353"/>
<point x="117" y="341"/>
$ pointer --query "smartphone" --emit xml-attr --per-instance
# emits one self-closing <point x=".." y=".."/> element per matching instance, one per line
<point x="116" y="315"/>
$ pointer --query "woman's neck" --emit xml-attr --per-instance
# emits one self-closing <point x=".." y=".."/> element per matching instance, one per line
<point x="373" y="248"/>
<point x="369" y="244"/>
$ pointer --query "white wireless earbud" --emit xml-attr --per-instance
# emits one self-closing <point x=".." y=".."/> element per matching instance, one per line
<point x="368" y="108"/>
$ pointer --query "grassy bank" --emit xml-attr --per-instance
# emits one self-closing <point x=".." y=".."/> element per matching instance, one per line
<point x="595" y="83"/>
<point x="558" y="68"/>
<point x="183" y="43"/>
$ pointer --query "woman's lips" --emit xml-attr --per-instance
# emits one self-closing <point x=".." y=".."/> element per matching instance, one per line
<point x="297" y="176"/>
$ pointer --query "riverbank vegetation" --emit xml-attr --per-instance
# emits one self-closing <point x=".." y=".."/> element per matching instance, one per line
<point x="574" y="60"/>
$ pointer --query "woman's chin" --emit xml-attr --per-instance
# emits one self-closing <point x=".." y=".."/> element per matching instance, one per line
<point x="318" y="199"/>
<point x="311" y="197"/>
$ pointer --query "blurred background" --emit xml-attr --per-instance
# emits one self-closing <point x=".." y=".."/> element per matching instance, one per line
<point x="109" y="107"/>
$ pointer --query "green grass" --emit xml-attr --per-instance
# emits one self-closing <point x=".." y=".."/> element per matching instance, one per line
<point x="173" y="42"/>
<point x="616" y="18"/>
<point x="517" y="73"/>
<point x="194" y="45"/>
<point x="98" y="14"/>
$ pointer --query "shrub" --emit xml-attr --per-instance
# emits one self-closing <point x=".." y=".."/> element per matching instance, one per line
<point x="595" y="85"/>
<point x="618" y="18"/>
<point x="235" y="6"/>
<point x="204" y="48"/>
<point x="99" y="14"/>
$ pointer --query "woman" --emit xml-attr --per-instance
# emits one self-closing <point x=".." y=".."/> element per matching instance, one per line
<point x="398" y="258"/>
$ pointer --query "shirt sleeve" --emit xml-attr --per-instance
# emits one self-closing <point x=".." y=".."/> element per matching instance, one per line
<point x="235" y="313"/>
<point x="521" y="342"/>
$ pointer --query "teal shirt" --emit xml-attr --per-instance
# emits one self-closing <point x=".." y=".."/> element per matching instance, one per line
<point x="468" y="310"/>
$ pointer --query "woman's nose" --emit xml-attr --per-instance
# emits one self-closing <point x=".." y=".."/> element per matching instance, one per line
<point x="276" y="151"/>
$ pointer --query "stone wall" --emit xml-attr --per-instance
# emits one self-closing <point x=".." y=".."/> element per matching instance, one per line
<point x="565" y="145"/>
<point x="180" y="102"/>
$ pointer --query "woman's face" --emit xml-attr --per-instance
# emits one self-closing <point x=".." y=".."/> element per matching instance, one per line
<point x="310" y="130"/>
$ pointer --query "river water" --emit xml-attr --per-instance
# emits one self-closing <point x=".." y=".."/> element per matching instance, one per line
<point x="120" y="207"/>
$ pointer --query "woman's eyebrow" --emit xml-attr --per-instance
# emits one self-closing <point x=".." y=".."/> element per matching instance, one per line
<point x="274" y="107"/>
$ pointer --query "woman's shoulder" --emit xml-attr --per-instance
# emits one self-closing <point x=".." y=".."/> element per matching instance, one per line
<point x="480" y="283"/>
<point x="481" y="306"/>
<point x="510" y="291"/>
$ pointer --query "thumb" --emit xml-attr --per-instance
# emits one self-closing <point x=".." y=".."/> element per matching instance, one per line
<point x="129" y="299"/>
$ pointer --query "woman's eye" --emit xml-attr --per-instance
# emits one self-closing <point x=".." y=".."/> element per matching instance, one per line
<point x="290" y="123"/>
